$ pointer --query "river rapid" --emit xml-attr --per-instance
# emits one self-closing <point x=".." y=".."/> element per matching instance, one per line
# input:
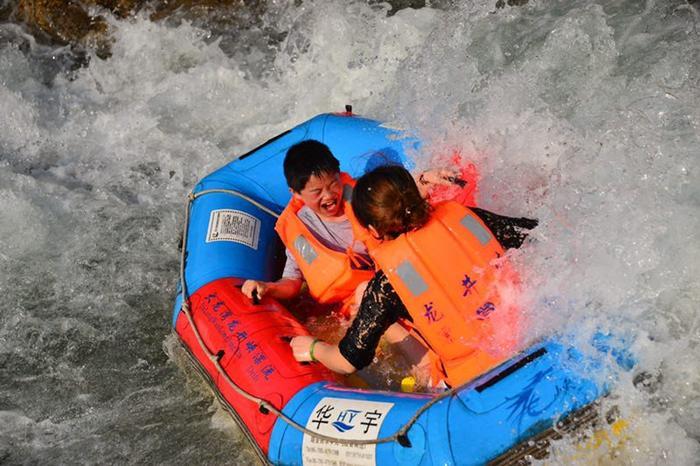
<point x="585" y="115"/>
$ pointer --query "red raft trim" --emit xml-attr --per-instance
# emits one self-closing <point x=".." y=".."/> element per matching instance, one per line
<point x="252" y="342"/>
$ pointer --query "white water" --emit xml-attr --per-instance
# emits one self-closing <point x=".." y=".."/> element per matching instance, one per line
<point x="586" y="116"/>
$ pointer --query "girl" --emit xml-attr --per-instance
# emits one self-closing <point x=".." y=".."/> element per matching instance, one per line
<point x="387" y="202"/>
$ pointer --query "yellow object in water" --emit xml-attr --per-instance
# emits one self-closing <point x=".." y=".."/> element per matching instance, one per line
<point x="619" y="435"/>
<point x="408" y="384"/>
<point x="605" y="441"/>
<point x="608" y="440"/>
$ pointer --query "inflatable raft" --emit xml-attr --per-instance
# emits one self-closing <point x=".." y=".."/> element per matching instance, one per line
<point x="302" y="413"/>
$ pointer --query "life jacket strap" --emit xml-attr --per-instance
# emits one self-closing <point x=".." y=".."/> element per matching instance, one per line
<point x="358" y="261"/>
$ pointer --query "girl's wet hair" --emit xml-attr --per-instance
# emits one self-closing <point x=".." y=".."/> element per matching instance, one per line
<point x="388" y="199"/>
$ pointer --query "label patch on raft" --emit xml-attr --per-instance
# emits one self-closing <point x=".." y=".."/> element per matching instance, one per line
<point x="233" y="225"/>
<point x="345" y="419"/>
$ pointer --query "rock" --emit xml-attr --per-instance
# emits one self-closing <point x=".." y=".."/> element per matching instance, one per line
<point x="68" y="22"/>
<point x="71" y="22"/>
<point x="502" y="3"/>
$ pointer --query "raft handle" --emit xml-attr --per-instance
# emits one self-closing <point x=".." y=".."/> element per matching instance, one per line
<point x="403" y="440"/>
<point x="219" y="355"/>
<point x="518" y="365"/>
<point x="269" y="141"/>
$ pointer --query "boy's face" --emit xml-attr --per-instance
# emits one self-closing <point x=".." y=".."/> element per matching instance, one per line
<point x="323" y="194"/>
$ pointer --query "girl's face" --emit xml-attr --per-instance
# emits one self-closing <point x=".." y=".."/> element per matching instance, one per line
<point x="323" y="194"/>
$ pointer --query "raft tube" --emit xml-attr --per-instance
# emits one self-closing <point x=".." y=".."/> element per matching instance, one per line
<point x="297" y="413"/>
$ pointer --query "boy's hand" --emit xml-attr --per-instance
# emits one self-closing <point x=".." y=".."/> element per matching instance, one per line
<point x="253" y="285"/>
<point x="444" y="177"/>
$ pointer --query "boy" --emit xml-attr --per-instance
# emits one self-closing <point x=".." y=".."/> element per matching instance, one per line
<point x="317" y="229"/>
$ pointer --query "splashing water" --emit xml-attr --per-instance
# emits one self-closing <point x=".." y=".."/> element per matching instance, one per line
<point x="581" y="114"/>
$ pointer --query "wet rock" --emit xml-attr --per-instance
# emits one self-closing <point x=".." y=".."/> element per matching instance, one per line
<point x="5" y="12"/>
<point x="193" y="9"/>
<point x="70" y="22"/>
<point x="503" y="3"/>
<point x="81" y="22"/>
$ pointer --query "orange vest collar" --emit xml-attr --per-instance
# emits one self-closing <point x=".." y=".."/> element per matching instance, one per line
<point x="332" y="276"/>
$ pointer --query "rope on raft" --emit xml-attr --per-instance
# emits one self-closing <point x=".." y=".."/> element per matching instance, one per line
<point x="400" y="436"/>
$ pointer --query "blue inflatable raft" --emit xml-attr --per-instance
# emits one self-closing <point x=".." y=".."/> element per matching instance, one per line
<point x="303" y="414"/>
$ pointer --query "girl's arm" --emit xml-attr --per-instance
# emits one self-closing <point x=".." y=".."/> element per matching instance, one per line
<point x="306" y="348"/>
<point x="380" y="308"/>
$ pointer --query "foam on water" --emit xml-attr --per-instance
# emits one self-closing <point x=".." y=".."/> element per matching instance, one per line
<point x="583" y="115"/>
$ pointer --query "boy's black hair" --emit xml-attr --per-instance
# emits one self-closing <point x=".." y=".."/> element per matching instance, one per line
<point x="305" y="159"/>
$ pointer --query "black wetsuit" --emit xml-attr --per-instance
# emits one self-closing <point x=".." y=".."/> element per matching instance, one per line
<point x="381" y="305"/>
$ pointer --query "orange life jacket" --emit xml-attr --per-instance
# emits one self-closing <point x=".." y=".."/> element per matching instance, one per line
<point x="332" y="276"/>
<point x="452" y="278"/>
